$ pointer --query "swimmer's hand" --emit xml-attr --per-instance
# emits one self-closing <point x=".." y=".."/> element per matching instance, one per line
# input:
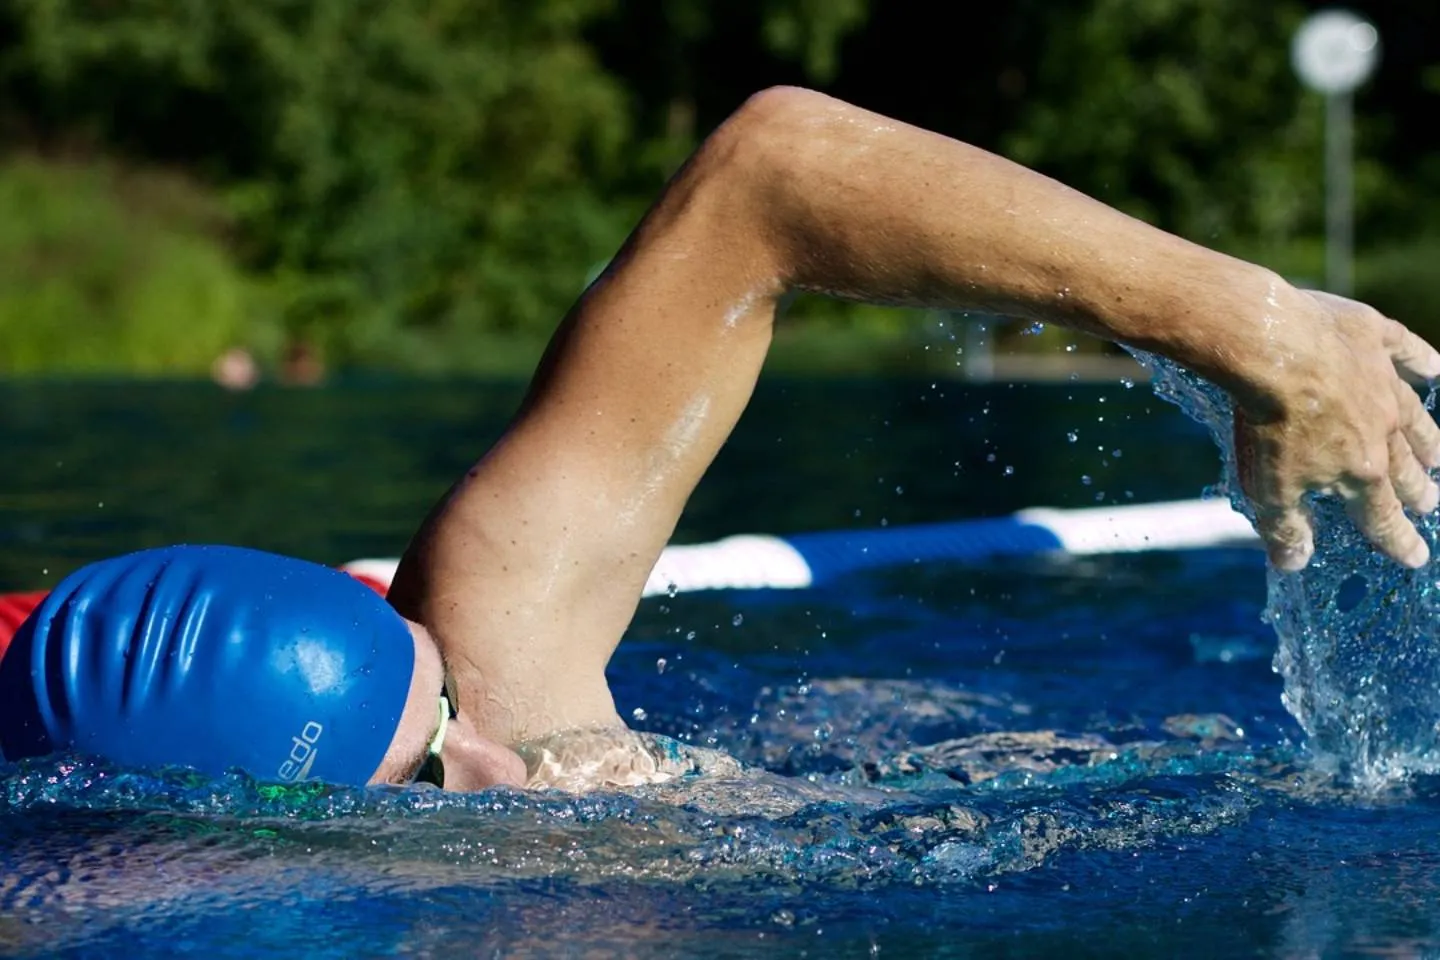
<point x="1334" y="414"/>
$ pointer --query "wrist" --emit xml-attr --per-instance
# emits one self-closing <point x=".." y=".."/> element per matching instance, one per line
<point x="1232" y="322"/>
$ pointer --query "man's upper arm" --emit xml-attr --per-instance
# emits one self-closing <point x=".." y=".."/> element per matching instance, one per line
<point x="531" y="568"/>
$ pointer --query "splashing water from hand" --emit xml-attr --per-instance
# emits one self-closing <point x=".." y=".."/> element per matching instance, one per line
<point x="1357" y="632"/>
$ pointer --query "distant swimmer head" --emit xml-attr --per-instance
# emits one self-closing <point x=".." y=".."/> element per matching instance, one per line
<point x="211" y="657"/>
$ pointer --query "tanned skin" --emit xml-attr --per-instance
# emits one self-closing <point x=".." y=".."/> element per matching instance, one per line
<point x="529" y="570"/>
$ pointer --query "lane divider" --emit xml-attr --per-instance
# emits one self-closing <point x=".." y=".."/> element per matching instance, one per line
<point x="758" y="562"/>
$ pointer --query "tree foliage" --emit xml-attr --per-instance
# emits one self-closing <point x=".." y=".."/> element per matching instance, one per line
<point x="103" y="270"/>
<point x="429" y="165"/>
<point x="1184" y="112"/>
<point x="412" y="182"/>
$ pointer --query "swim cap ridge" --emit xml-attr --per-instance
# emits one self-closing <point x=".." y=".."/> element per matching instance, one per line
<point x="211" y="657"/>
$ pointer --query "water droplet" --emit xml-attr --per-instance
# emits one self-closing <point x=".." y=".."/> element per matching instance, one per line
<point x="1117" y="453"/>
<point x="1035" y="329"/>
<point x="1069" y="348"/>
<point x="1085" y="479"/>
<point x="737" y="620"/>
<point x="989" y="458"/>
<point x="1127" y="383"/>
<point x="639" y="713"/>
<point x="1009" y="470"/>
<point x="899" y="491"/>
<point x="660" y="665"/>
<point x="671" y="590"/>
<point x="1072" y="436"/>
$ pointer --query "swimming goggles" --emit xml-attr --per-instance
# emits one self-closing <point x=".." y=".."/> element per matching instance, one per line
<point x="432" y="769"/>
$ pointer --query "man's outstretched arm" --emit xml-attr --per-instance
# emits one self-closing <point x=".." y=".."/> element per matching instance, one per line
<point x="530" y="569"/>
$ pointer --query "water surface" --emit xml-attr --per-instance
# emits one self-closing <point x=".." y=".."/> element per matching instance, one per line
<point x="1028" y="758"/>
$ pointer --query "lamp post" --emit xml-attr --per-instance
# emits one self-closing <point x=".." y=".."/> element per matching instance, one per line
<point x="1334" y="52"/>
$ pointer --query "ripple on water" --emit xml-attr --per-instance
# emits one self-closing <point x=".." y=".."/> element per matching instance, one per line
<point x="122" y="848"/>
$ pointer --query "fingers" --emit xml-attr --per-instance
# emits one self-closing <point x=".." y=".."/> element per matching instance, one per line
<point x="1411" y="483"/>
<point x="1288" y="533"/>
<point x="1376" y="505"/>
<point x="1413" y="358"/>
<point x="1281" y="519"/>
<point x="1418" y="426"/>
<point x="1335" y="445"/>
<point x="1379" y="515"/>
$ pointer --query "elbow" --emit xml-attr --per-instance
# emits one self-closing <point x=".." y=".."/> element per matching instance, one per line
<point x="763" y="140"/>
<point x="740" y="194"/>
<point x="755" y="167"/>
<point x="779" y="110"/>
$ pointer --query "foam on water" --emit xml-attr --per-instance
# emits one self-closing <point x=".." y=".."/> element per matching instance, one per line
<point x="132" y="850"/>
<point x="1357" y="632"/>
<point x="79" y="831"/>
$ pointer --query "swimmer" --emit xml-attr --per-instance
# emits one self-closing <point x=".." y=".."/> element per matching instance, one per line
<point x="516" y="589"/>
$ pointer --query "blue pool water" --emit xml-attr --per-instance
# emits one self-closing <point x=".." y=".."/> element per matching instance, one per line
<point x="1030" y="758"/>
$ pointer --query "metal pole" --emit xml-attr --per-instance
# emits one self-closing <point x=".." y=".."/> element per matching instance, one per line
<point x="1339" y="193"/>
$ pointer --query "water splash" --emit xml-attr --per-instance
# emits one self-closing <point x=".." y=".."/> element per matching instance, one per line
<point x="78" y="830"/>
<point x="1357" y="632"/>
<point x="345" y="869"/>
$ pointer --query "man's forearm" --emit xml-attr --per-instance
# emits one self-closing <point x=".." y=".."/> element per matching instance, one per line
<point x="854" y="204"/>
<point x="860" y="206"/>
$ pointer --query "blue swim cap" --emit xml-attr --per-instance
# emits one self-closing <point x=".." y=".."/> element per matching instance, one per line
<point x="213" y="658"/>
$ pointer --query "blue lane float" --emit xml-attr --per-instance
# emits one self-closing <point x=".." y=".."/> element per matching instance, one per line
<point x="759" y="562"/>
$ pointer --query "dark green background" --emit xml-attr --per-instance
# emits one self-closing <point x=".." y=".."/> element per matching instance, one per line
<point x="427" y="184"/>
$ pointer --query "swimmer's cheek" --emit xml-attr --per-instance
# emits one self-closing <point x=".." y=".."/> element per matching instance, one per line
<point x="481" y="763"/>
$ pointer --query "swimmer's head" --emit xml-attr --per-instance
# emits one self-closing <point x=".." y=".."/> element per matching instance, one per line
<point x="221" y="657"/>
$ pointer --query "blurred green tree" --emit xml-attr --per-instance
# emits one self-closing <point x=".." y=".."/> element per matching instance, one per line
<point x="402" y="173"/>
<point x="429" y="183"/>
<point x="104" y="270"/>
<point x="412" y="182"/>
<point x="1183" y="112"/>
